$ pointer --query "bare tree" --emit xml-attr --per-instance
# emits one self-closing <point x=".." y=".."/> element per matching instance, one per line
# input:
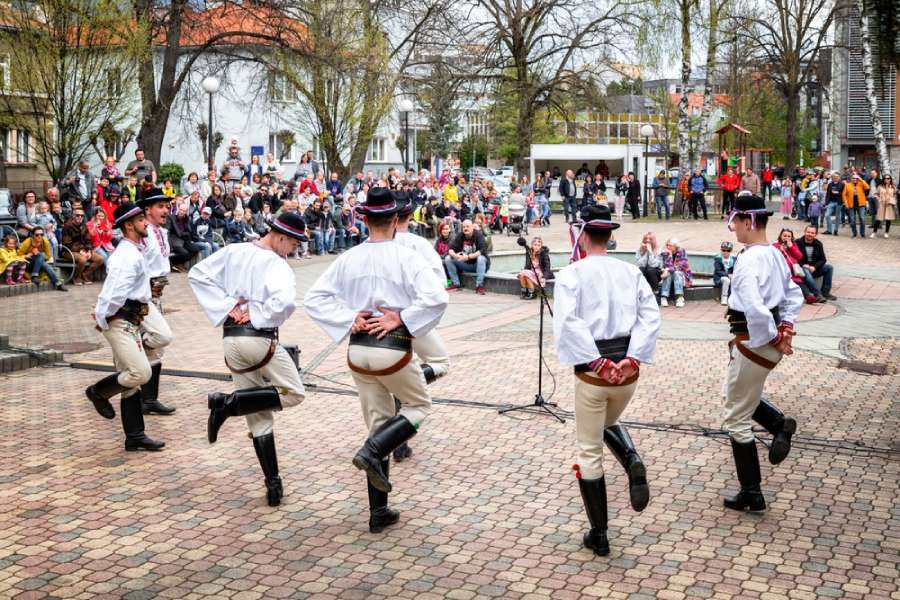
<point x="718" y="12"/>
<point x="868" y="68"/>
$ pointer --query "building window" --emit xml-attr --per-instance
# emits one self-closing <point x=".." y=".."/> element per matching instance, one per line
<point x="281" y="89"/>
<point x="276" y="147"/>
<point x="376" y="151"/>
<point x="22" y="149"/>
<point x="4" y="71"/>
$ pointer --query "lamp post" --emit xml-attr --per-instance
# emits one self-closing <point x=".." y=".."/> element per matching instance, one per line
<point x="646" y="133"/>
<point x="405" y="107"/>
<point x="210" y="86"/>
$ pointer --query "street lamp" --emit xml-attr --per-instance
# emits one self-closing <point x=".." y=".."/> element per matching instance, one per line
<point x="210" y="86"/>
<point x="646" y="133"/>
<point x="406" y="107"/>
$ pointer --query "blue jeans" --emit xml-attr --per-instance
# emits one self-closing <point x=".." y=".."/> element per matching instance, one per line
<point x="206" y="248"/>
<point x="324" y="240"/>
<point x="455" y="266"/>
<point x="570" y="207"/>
<point x="831" y="210"/>
<point x="662" y="201"/>
<point x="859" y="213"/>
<point x="826" y="273"/>
<point x="37" y="263"/>
<point x="665" y="286"/>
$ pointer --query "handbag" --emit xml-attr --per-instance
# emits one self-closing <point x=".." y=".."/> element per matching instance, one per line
<point x="797" y="270"/>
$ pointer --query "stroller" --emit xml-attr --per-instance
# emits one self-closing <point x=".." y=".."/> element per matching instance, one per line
<point x="516" y="222"/>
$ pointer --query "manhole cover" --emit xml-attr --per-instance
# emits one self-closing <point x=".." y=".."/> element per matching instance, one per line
<point x="863" y="367"/>
<point x="74" y="347"/>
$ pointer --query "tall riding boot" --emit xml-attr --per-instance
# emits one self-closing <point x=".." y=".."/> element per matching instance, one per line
<point x="100" y="393"/>
<point x="268" y="460"/>
<point x="780" y="426"/>
<point x="150" y="394"/>
<point x="380" y="516"/>
<point x="240" y="402"/>
<point x="593" y="494"/>
<point x="622" y="447"/>
<point x="746" y="460"/>
<point x="380" y="444"/>
<point x="428" y="371"/>
<point x="403" y="451"/>
<point x="133" y="424"/>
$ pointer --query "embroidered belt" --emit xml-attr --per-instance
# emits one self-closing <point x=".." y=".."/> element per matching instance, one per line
<point x="132" y="311"/>
<point x="614" y="349"/>
<point x="600" y="383"/>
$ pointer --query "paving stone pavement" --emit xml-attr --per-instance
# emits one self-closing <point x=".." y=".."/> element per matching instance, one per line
<point x="490" y="508"/>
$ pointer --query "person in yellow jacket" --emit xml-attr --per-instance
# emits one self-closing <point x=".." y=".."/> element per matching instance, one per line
<point x="855" y="200"/>
<point x="451" y="195"/>
<point x="36" y="251"/>
<point x="12" y="264"/>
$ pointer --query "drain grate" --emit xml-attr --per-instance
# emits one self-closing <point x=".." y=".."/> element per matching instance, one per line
<point x="863" y="367"/>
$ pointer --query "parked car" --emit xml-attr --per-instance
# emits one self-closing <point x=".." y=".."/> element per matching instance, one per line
<point x="482" y="173"/>
<point x="506" y="171"/>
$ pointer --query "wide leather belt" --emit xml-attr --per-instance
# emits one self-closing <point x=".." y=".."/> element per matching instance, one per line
<point x="737" y="320"/>
<point x="738" y="340"/>
<point x="157" y="285"/>
<point x="614" y="349"/>
<point x="232" y="329"/>
<point x="132" y="311"/>
<point x="399" y="339"/>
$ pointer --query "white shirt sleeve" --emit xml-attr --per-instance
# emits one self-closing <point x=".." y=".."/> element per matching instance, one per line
<point x="430" y="302"/>
<point x="324" y="305"/>
<point x="571" y="334"/>
<point x="279" y="293"/>
<point x="760" y="322"/>
<point x="792" y="303"/>
<point x="646" y="328"/>
<point x="120" y="280"/>
<point x="206" y="281"/>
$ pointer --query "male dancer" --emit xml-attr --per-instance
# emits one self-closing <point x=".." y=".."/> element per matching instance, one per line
<point x="155" y="332"/>
<point x="762" y="308"/>
<point x="384" y="295"/>
<point x="248" y="289"/>
<point x="121" y="307"/>
<point x="605" y="324"/>
<point x="429" y="348"/>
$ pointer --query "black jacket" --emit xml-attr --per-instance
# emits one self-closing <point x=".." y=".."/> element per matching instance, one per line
<point x="564" y="190"/>
<point x="818" y="254"/>
<point x="634" y="190"/>
<point x="456" y="244"/>
<point x="545" y="267"/>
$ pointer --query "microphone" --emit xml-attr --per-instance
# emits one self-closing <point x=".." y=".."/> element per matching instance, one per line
<point x="521" y="241"/>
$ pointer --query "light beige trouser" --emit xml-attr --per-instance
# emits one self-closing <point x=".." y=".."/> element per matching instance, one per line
<point x="744" y="381"/>
<point x="376" y="394"/>
<point x="596" y="408"/>
<point x="430" y="349"/>
<point x="155" y="334"/>
<point x="619" y="204"/>
<point x="128" y="355"/>
<point x="242" y="352"/>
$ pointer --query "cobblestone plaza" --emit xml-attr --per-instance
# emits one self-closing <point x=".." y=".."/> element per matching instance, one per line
<point x="489" y="504"/>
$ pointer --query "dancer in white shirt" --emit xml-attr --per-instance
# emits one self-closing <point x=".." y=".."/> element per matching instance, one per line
<point x="762" y="308"/>
<point x="605" y="324"/>
<point x="155" y="332"/>
<point x="384" y="295"/>
<point x="122" y="305"/>
<point x="249" y="289"/>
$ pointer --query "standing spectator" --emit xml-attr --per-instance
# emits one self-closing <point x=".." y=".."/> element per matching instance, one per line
<point x="233" y="167"/>
<point x="814" y="262"/>
<point x="588" y="191"/>
<point x="697" y="186"/>
<point x="36" y="250"/>
<point x="633" y="196"/>
<point x="676" y="273"/>
<point x="834" y="201"/>
<point x="75" y="235"/>
<point x="621" y="192"/>
<point x="131" y="189"/>
<point x="874" y="180"/>
<point x="767" y="177"/>
<point x="542" y="200"/>
<point x="855" y="199"/>
<point x="273" y="167"/>
<point x="141" y="168"/>
<point x="661" y="194"/>
<point x="254" y="168"/>
<point x="26" y="212"/>
<point x="723" y="269"/>
<point x="304" y="169"/>
<point x="110" y="171"/>
<point x="537" y="270"/>
<point x="886" y="202"/>
<point x="181" y="244"/>
<point x="12" y="264"/>
<point x="313" y="165"/>
<point x="212" y="182"/>
<point x="730" y="183"/>
<point x="101" y="235"/>
<point x="750" y="182"/>
<point x="468" y="253"/>
<point x="81" y="182"/>
<point x="568" y="192"/>
<point x="649" y="261"/>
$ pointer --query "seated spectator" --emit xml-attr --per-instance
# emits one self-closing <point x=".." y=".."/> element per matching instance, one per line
<point x="12" y="264"/>
<point x="192" y="184"/>
<point x="181" y="244"/>
<point x="36" y="251"/>
<point x="262" y="221"/>
<point x="248" y="226"/>
<point x="793" y="255"/>
<point x="76" y="236"/>
<point x="232" y="230"/>
<point x="202" y="232"/>
<point x="320" y="225"/>
<point x="676" y="273"/>
<point x="101" y="235"/>
<point x="813" y="260"/>
<point x="649" y="261"/>
<point x="482" y="224"/>
<point x="347" y="234"/>
<point x="26" y="212"/>
<point x="468" y="253"/>
<point x="168" y="189"/>
<point x="537" y="271"/>
<point x="442" y="242"/>
<point x="723" y="269"/>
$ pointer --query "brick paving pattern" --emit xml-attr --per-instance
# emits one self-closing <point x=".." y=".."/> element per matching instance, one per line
<point x="489" y="505"/>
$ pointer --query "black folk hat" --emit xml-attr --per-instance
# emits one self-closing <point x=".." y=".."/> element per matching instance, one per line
<point x="404" y="203"/>
<point x="126" y="211"/>
<point x="290" y="224"/>
<point x="597" y="217"/>
<point x="751" y="204"/>
<point x="151" y="197"/>
<point x="379" y="201"/>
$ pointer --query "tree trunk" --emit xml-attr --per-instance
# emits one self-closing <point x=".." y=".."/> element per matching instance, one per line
<point x="524" y="132"/>
<point x="706" y="122"/>
<point x="793" y="112"/>
<point x="884" y="162"/>
<point x="684" y="160"/>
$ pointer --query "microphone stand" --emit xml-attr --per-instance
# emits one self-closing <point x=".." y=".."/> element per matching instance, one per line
<point x="539" y="405"/>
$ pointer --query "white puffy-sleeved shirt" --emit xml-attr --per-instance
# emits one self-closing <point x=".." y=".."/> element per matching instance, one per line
<point x="372" y="275"/>
<point x="127" y="278"/>
<point x="245" y="272"/>
<point x="156" y="251"/>
<point x="603" y="298"/>
<point x="421" y="246"/>
<point x="761" y="282"/>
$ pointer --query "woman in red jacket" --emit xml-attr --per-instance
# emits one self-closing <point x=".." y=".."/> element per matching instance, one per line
<point x="101" y="235"/>
<point x="793" y="255"/>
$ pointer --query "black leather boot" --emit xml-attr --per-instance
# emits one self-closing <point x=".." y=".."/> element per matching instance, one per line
<point x="268" y="460"/>
<point x="428" y="371"/>
<point x="133" y="424"/>
<point x="150" y="394"/>
<point x="593" y="494"/>
<point x="380" y="516"/>
<point x="100" y="393"/>
<point x="403" y="451"/>
<point x="780" y="426"/>
<point x="746" y="460"/>
<point x="238" y="403"/>
<point x="369" y="458"/>
<point x="622" y="447"/>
